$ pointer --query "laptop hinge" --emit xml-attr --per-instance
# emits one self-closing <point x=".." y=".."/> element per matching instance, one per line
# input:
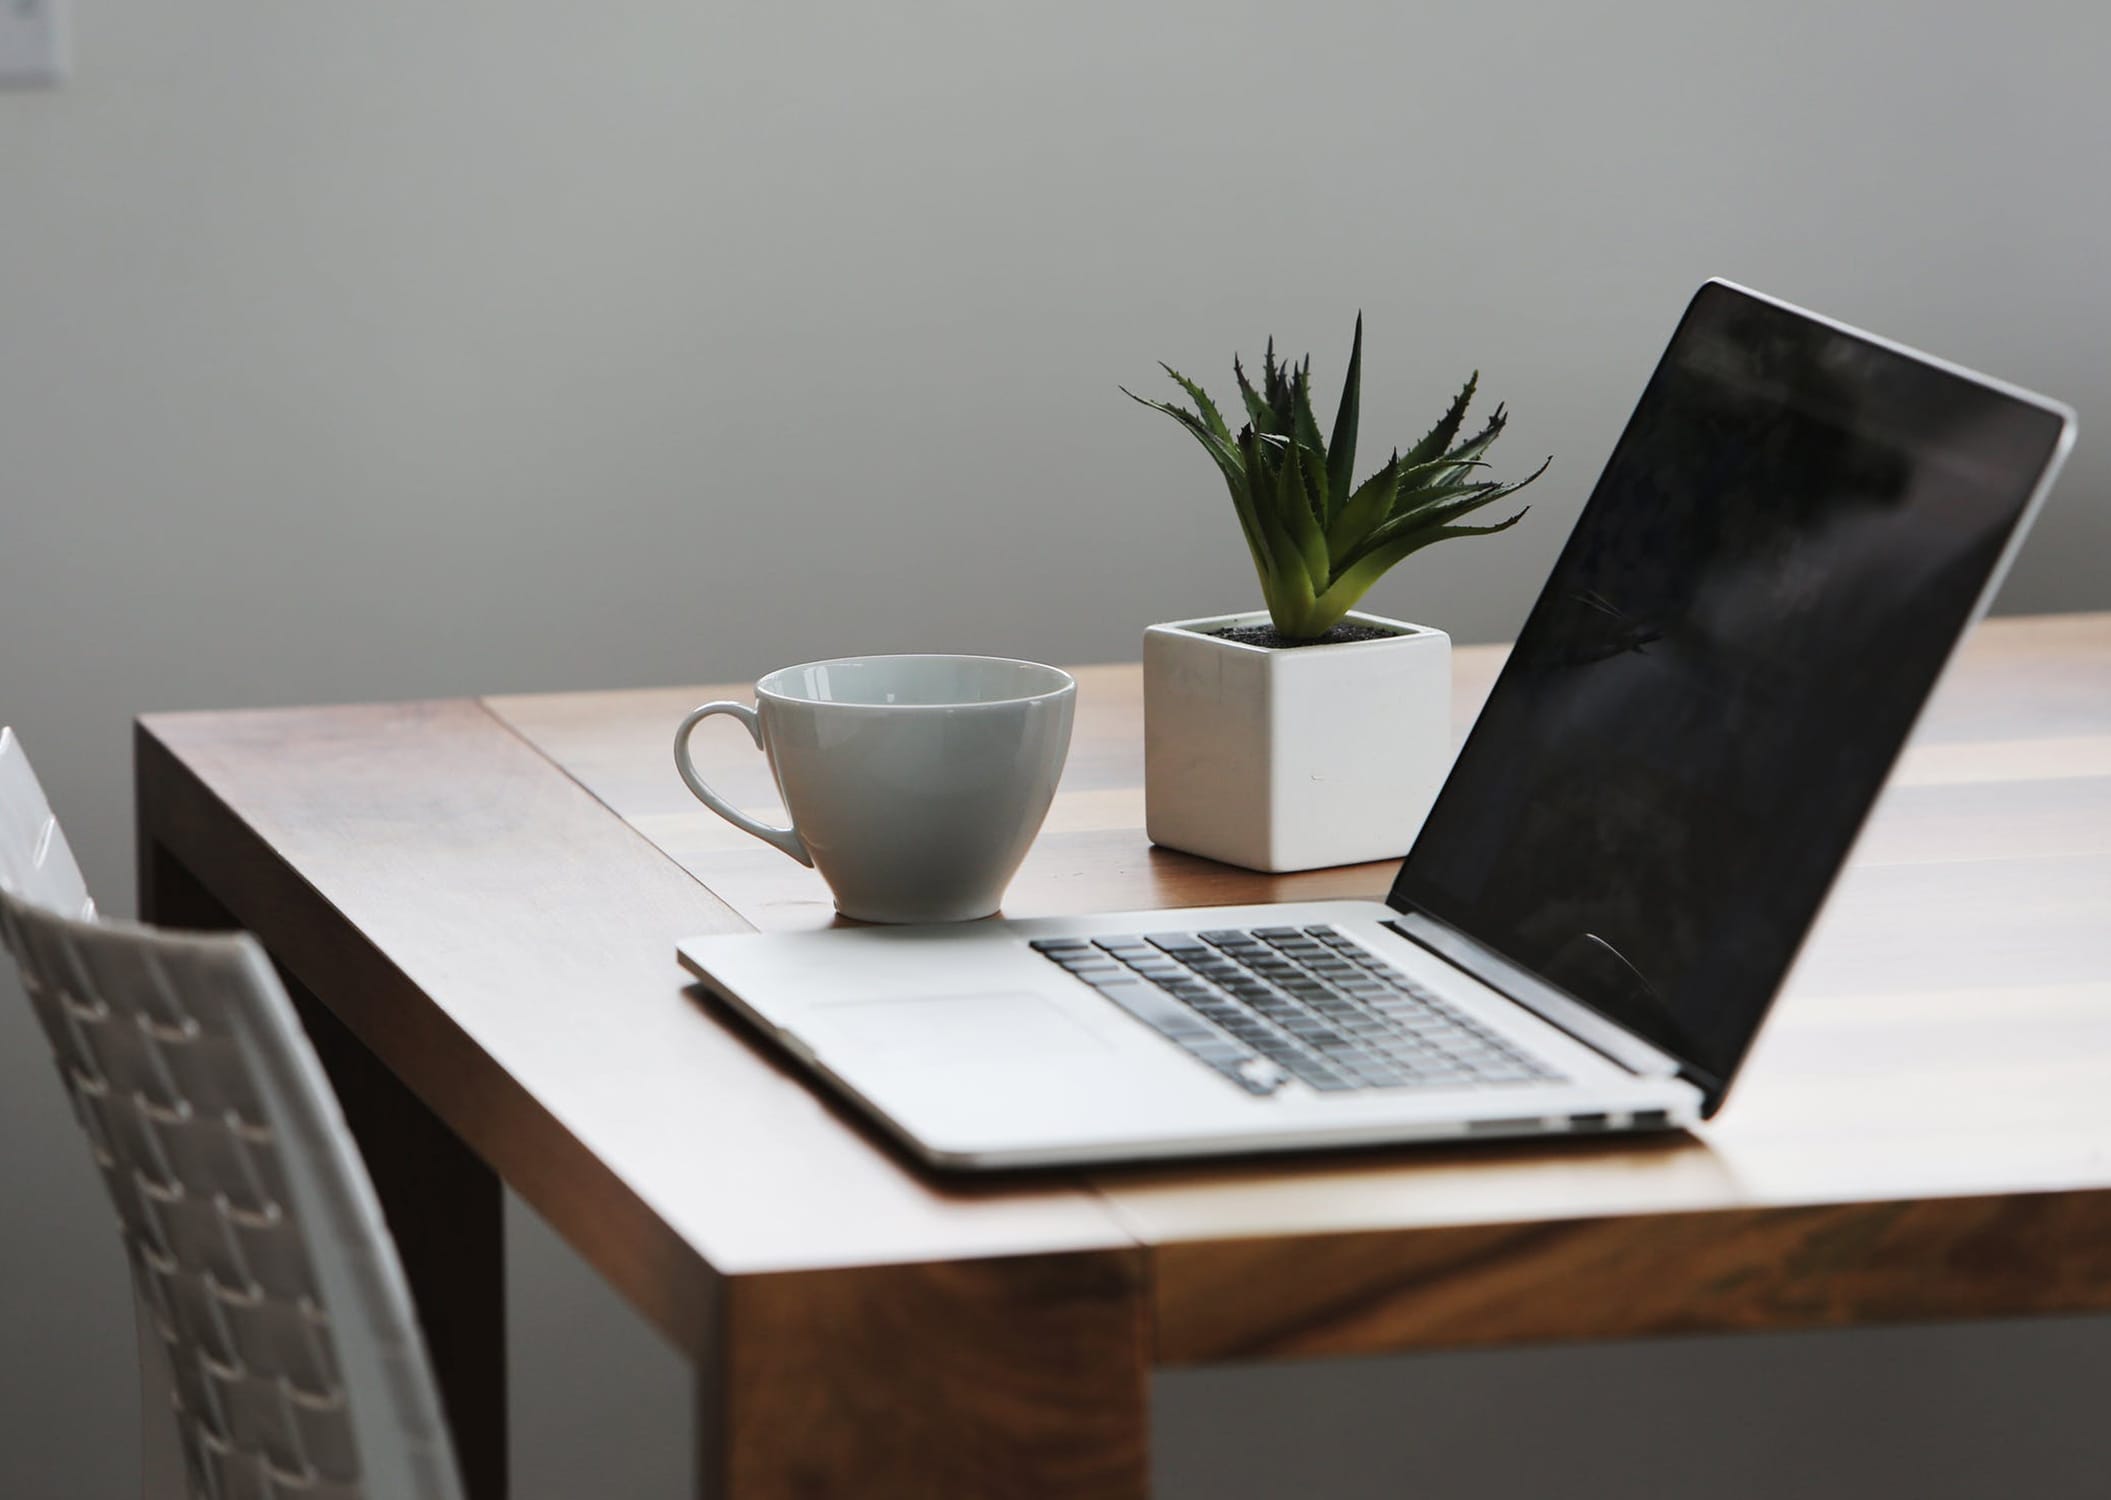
<point x="1557" y="1008"/>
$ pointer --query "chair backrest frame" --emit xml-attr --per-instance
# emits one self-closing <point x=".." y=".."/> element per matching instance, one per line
<point x="36" y="862"/>
<point x="255" y="1238"/>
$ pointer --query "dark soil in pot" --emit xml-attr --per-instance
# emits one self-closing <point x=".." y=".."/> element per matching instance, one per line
<point x="1269" y="637"/>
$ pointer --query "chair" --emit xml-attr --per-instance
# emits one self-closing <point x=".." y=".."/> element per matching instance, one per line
<point x="274" y="1309"/>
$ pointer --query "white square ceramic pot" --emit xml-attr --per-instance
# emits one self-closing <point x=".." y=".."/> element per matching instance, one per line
<point x="1293" y="758"/>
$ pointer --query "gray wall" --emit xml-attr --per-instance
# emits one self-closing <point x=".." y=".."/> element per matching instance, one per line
<point x="387" y="350"/>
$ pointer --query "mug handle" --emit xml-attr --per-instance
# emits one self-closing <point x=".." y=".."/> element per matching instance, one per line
<point x="786" y="839"/>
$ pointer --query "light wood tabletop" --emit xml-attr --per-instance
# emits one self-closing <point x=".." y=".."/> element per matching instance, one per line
<point x="477" y="903"/>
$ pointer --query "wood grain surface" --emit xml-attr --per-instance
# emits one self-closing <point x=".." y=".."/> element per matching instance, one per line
<point x="1016" y="1379"/>
<point x="488" y="895"/>
<point x="507" y="948"/>
<point x="1945" y="1040"/>
<point x="1824" y="1266"/>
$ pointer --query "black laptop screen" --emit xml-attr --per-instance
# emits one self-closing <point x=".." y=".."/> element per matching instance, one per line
<point x="1707" y="697"/>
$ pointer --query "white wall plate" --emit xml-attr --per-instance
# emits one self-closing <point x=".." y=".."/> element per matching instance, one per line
<point x="33" y="42"/>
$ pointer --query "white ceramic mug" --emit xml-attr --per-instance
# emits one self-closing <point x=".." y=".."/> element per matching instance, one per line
<point x="914" y="783"/>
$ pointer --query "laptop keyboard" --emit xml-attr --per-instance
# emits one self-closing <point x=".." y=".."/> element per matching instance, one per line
<point x="1264" y="1005"/>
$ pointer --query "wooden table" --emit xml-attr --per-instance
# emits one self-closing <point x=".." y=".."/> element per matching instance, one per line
<point x="478" y="902"/>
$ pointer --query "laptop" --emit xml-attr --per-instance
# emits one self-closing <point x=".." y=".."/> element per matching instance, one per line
<point x="1795" y="529"/>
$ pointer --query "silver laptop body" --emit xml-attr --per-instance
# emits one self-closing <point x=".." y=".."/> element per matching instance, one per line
<point x="1797" y="526"/>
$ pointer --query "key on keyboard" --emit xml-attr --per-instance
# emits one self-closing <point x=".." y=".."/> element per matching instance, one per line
<point x="1269" y="1004"/>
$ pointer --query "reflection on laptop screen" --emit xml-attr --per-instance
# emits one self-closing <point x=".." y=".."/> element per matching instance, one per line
<point x="1707" y="697"/>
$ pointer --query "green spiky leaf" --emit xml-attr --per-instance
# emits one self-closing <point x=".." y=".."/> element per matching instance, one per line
<point x="1305" y="427"/>
<point x="1318" y="542"/>
<point x="1257" y="411"/>
<point x="1294" y="507"/>
<point x="1341" y="447"/>
<point x="1225" y="454"/>
<point x="1439" y="438"/>
<point x="1355" y="581"/>
<point x="1364" y="510"/>
<point x="1483" y="440"/>
<point x="1288" y="584"/>
<point x="1208" y="408"/>
<point x="1380" y="497"/>
<point x="1431" y="507"/>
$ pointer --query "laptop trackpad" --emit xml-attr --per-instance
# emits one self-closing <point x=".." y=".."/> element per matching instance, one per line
<point x="986" y="1026"/>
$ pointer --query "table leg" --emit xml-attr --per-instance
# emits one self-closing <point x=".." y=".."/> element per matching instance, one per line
<point x="444" y="1206"/>
<point x="1013" y="1379"/>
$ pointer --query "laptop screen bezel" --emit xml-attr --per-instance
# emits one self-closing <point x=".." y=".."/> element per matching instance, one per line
<point x="1521" y="982"/>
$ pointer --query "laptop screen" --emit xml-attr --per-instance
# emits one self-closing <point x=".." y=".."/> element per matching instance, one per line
<point x="1788" y="539"/>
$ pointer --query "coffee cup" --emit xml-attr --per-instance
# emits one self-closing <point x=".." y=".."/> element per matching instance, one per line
<point x="914" y="784"/>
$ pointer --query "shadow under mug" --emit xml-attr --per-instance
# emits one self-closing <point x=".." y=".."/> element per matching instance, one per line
<point x="915" y="784"/>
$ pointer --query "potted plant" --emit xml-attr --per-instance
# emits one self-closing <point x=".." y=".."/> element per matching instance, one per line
<point x="1311" y="734"/>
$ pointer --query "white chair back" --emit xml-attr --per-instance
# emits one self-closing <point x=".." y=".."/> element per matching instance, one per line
<point x="255" y="1239"/>
<point x="35" y="860"/>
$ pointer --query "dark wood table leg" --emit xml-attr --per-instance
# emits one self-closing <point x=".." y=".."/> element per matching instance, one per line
<point x="444" y="1206"/>
<point x="1014" y="1379"/>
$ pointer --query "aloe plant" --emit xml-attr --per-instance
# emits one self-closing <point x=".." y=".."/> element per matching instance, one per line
<point x="1317" y="542"/>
